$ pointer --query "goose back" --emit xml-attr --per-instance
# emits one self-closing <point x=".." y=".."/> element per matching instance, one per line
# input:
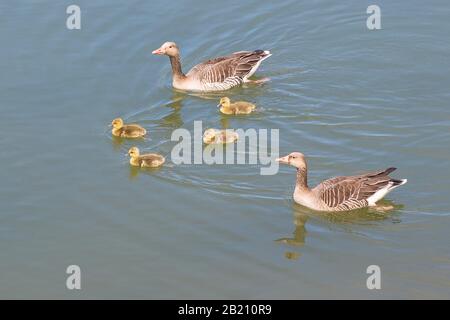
<point x="223" y="73"/>
<point x="353" y="192"/>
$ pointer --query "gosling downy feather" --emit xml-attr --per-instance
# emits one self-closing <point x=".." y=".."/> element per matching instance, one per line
<point x="149" y="160"/>
<point x="340" y="193"/>
<point x="238" y="107"/>
<point x="215" y="136"/>
<point x="127" y="130"/>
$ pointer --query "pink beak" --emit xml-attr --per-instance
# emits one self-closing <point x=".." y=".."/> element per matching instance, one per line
<point x="158" y="51"/>
<point x="283" y="160"/>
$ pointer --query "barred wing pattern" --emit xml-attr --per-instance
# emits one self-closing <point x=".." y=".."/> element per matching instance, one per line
<point x="348" y="193"/>
<point x="226" y="72"/>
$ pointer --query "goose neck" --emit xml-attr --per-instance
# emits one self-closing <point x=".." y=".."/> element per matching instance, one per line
<point x="176" y="67"/>
<point x="302" y="179"/>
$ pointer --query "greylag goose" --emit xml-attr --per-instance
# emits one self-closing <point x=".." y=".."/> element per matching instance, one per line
<point x="219" y="136"/>
<point x="119" y="129"/>
<point x="217" y="74"/>
<point x="149" y="160"/>
<point x="238" y="107"/>
<point x="340" y="193"/>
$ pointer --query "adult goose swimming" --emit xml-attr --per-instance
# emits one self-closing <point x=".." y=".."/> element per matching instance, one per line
<point x="217" y="74"/>
<point x="340" y="193"/>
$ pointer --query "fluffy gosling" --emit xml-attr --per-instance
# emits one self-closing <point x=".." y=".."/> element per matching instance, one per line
<point x="127" y="130"/>
<point x="219" y="136"/>
<point x="149" y="160"/>
<point x="238" y="107"/>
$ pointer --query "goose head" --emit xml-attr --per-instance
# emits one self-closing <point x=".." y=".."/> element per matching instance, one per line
<point x="168" y="48"/>
<point x="295" y="159"/>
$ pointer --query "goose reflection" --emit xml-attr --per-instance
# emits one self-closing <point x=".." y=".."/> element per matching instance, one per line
<point x="384" y="211"/>
<point x="298" y="236"/>
<point x="174" y="119"/>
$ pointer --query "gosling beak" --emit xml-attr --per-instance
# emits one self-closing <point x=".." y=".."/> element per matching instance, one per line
<point x="283" y="160"/>
<point x="158" y="51"/>
<point x="219" y="105"/>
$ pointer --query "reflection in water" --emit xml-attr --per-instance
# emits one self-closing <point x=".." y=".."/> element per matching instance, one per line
<point x="292" y="255"/>
<point x="117" y="142"/>
<point x="298" y="236"/>
<point x="224" y="122"/>
<point x="136" y="171"/>
<point x="385" y="210"/>
<point x="174" y="120"/>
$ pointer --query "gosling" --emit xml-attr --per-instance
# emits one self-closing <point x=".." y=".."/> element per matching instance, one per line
<point x="149" y="160"/>
<point x="127" y="130"/>
<point x="219" y="136"/>
<point x="238" y="107"/>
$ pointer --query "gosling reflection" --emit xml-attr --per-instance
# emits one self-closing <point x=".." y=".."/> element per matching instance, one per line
<point x="224" y="122"/>
<point x="134" y="172"/>
<point x="117" y="143"/>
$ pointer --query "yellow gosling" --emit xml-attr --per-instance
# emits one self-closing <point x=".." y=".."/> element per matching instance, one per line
<point x="127" y="130"/>
<point x="149" y="160"/>
<point x="219" y="136"/>
<point x="238" y="107"/>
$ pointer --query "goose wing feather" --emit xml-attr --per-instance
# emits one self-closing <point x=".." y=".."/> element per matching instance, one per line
<point x="235" y="66"/>
<point x="352" y="192"/>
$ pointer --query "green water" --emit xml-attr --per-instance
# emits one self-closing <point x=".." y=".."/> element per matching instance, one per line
<point x="349" y="98"/>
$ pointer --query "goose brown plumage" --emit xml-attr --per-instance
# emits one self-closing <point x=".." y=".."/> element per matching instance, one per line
<point x="340" y="193"/>
<point x="217" y="74"/>
<point x="127" y="130"/>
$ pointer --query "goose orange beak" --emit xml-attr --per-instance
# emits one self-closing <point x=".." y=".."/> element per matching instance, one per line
<point x="158" y="51"/>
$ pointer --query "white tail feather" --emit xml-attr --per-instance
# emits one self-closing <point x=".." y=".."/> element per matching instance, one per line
<point x="380" y="194"/>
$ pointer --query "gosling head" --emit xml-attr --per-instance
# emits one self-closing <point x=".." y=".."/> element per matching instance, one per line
<point x="168" y="48"/>
<point x="133" y="152"/>
<point x="209" y="135"/>
<point x="117" y="123"/>
<point x="295" y="159"/>
<point x="224" y="102"/>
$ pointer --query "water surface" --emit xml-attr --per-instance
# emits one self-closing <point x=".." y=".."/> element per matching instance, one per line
<point x="349" y="98"/>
